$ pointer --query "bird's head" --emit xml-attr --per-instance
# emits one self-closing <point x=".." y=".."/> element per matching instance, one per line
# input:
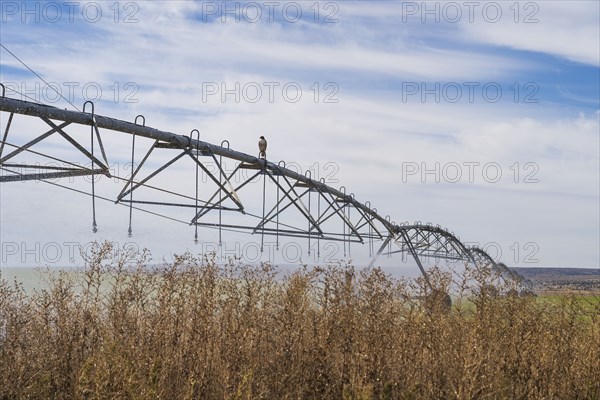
<point x="262" y="137"/>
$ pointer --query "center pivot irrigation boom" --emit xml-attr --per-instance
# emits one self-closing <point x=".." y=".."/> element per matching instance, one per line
<point x="304" y="207"/>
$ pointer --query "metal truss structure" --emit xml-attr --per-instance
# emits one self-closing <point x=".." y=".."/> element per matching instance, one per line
<point x="302" y="208"/>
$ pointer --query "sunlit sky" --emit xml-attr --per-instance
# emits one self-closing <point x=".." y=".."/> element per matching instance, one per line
<point x="482" y="117"/>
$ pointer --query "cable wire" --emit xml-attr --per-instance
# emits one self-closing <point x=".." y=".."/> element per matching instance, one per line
<point x="36" y="74"/>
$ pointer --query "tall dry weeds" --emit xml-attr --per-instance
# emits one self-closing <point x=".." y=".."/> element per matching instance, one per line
<point x="196" y="330"/>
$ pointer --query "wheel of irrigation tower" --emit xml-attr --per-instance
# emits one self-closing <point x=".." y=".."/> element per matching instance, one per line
<point x="437" y="300"/>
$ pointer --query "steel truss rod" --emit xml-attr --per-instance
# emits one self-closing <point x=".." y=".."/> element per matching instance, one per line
<point x="287" y="232"/>
<point x="31" y="143"/>
<point x="297" y="201"/>
<point x="48" y="175"/>
<point x="231" y="195"/>
<point x="276" y="210"/>
<point x="74" y="143"/>
<point x="24" y="177"/>
<point x="416" y="257"/>
<point x="205" y="211"/>
<point x="385" y="243"/>
<point x="39" y="166"/>
<point x="340" y="212"/>
<point x="10" y="118"/>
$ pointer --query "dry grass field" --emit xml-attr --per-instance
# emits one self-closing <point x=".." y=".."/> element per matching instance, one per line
<point x="195" y="330"/>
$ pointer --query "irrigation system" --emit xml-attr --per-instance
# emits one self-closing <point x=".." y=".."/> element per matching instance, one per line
<point x="303" y="208"/>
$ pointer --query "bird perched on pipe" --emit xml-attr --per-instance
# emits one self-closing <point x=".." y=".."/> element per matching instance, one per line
<point x="262" y="147"/>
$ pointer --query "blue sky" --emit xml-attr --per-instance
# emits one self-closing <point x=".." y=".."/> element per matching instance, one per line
<point x="385" y="86"/>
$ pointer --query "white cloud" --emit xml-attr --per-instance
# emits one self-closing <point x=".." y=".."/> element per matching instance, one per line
<point x="567" y="29"/>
